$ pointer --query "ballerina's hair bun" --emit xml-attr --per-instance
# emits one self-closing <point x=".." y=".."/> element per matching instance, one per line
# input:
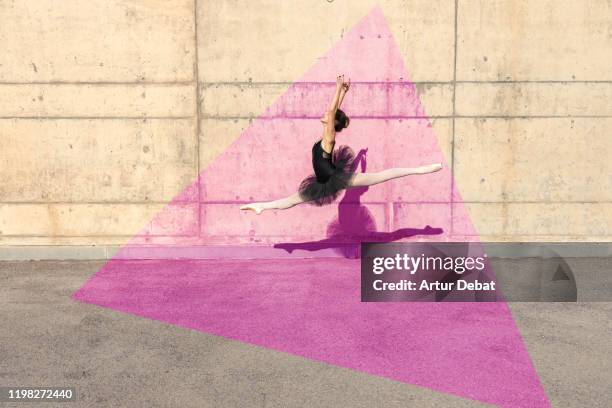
<point x="341" y="121"/>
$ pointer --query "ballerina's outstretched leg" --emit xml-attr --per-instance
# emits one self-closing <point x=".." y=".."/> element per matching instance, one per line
<point x="281" y="204"/>
<point x="370" y="179"/>
<point x="359" y="180"/>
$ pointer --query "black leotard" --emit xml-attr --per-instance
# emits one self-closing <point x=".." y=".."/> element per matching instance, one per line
<point x="322" y="163"/>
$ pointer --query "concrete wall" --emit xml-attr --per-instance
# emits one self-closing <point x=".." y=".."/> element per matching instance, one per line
<point x="109" y="108"/>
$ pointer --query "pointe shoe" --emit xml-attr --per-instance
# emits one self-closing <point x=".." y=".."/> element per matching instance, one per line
<point x="253" y="207"/>
<point x="432" y="168"/>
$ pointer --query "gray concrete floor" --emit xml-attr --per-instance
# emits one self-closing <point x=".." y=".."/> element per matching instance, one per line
<point x="119" y="360"/>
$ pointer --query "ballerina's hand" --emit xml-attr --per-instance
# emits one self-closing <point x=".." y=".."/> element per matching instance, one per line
<point x="340" y="81"/>
<point x="346" y="85"/>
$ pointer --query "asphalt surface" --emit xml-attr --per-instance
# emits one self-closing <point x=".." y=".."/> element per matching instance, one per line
<point x="121" y="360"/>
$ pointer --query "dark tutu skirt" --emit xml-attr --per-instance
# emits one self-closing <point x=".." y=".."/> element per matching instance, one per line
<point x="319" y="194"/>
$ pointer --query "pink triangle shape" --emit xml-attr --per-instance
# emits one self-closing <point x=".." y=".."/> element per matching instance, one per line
<point x="311" y="307"/>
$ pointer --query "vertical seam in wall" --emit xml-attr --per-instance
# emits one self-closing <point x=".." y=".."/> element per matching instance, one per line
<point x="452" y="189"/>
<point x="197" y="112"/>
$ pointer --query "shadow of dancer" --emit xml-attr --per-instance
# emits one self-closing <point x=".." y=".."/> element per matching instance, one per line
<point x="355" y="224"/>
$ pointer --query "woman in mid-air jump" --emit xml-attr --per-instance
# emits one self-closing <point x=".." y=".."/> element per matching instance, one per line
<point x="333" y="169"/>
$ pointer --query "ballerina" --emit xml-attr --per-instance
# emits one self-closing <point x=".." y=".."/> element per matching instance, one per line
<point x="333" y="169"/>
